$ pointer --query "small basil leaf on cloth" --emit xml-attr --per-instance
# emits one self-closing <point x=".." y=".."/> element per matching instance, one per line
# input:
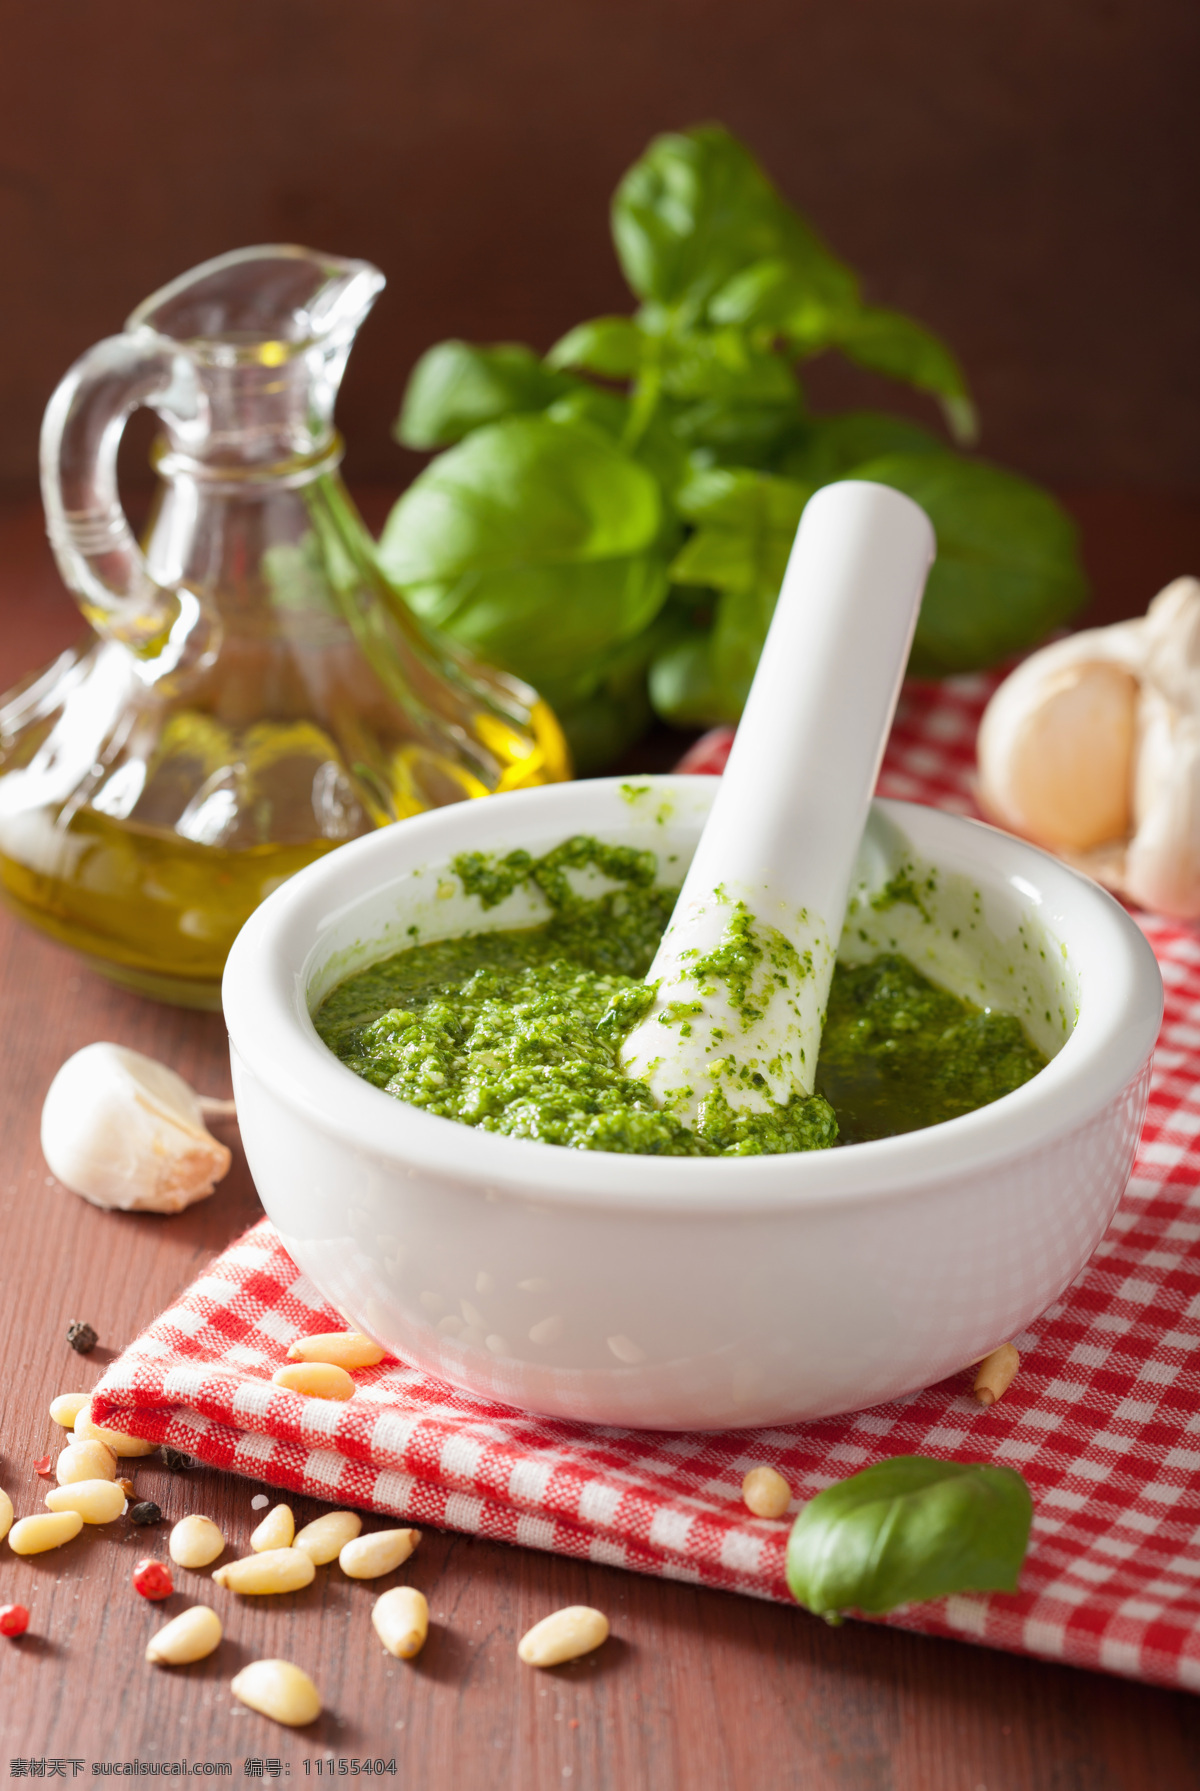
<point x="696" y="208"/>
<point x="455" y="387"/>
<point x="537" y="542"/>
<point x="907" y="1530"/>
<point x="1007" y="568"/>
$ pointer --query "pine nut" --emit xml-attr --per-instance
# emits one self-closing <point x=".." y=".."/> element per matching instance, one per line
<point x="317" y="1380"/>
<point x="116" y="1440"/>
<point x="190" y="1636"/>
<point x="49" y="1529"/>
<point x="275" y="1570"/>
<point x="370" y="1557"/>
<point x="564" y="1635"/>
<point x="326" y="1536"/>
<point x="996" y="1374"/>
<point x="66" y="1407"/>
<point x="195" y="1541"/>
<point x="345" y="1349"/>
<point x="6" y="1514"/>
<point x="276" y="1530"/>
<point x="96" y="1501"/>
<point x="89" y="1460"/>
<point x="401" y="1620"/>
<point x="766" y="1493"/>
<point x="277" y="1689"/>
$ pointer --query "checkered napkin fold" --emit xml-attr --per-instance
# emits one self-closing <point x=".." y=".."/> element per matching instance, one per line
<point x="1103" y="1419"/>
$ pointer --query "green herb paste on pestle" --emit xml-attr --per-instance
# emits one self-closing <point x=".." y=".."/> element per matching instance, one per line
<point x="518" y="1031"/>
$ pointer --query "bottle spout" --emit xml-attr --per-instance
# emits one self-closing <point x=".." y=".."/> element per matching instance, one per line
<point x="262" y="304"/>
<point x="269" y="330"/>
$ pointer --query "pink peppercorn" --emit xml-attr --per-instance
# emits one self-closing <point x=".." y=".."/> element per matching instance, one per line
<point x="14" y="1619"/>
<point x="152" y="1579"/>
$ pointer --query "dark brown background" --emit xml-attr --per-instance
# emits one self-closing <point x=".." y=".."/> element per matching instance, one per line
<point x="1021" y="176"/>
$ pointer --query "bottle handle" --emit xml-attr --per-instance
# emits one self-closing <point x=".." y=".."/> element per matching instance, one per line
<point x="94" y="545"/>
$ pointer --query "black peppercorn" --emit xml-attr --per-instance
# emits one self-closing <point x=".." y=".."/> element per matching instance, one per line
<point x="176" y="1459"/>
<point x="147" y="1512"/>
<point x="81" y="1337"/>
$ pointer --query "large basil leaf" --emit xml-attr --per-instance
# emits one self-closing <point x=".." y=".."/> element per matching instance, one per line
<point x="1007" y="568"/>
<point x="455" y="387"/>
<point x="906" y="1530"/>
<point x="827" y="448"/>
<point x="696" y="208"/>
<point x="538" y="543"/>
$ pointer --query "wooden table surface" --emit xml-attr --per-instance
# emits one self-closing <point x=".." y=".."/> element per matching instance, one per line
<point x="696" y="1690"/>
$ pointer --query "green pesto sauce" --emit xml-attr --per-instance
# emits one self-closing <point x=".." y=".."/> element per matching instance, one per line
<point x="518" y="1031"/>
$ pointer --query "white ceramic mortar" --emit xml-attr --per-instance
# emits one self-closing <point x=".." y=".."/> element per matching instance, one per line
<point x="683" y="1293"/>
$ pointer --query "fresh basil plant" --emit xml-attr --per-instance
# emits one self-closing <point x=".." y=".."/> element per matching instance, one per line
<point x="906" y="1530"/>
<point x="612" y="521"/>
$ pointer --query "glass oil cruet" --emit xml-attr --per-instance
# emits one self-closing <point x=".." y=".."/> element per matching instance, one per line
<point x="253" y="693"/>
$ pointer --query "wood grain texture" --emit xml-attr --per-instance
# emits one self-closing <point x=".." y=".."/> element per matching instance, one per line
<point x="696" y="1690"/>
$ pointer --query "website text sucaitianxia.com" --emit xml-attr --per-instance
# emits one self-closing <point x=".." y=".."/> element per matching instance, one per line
<point x="253" y="1767"/>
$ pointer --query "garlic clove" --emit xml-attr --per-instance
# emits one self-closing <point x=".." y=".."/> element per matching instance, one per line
<point x="1056" y="750"/>
<point x="1162" y="860"/>
<point x="1172" y="643"/>
<point x="124" y="1131"/>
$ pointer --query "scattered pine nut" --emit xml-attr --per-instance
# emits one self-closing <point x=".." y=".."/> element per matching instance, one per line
<point x="370" y="1557"/>
<point x="49" y="1529"/>
<point x="326" y="1536"/>
<point x="88" y="1460"/>
<point x="766" y="1493"/>
<point x="96" y="1501"/>
<point x="277" y="1689"/>
<point x="191" y="1636"/>
<point x="345" y="1349"/>
<point x="276" y="1530"/>
<point x="317" y="1380"/>
<point x="401" y="1620"/>
<point x="996" y="1373"/>
<point x="194" y="1542"/>
<point x="6" y="1514"/>
<point x="564" y="1635"/>
<point x="116" y="1440"/>
<point x="275" y="1570"/>
<point x="66" y="1407"/>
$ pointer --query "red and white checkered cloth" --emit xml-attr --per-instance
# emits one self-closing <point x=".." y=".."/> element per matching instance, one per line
<point x="1103" y="1419"/>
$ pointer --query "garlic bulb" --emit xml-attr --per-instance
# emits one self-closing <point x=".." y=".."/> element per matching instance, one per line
<point x="1092" y="749"/>
<point x="125" y="1131"/>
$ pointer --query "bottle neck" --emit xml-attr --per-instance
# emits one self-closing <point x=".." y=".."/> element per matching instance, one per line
<point x="226" y="474"/>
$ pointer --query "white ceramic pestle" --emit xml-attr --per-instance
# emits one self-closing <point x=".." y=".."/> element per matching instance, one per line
<point x="784" y="830"/>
